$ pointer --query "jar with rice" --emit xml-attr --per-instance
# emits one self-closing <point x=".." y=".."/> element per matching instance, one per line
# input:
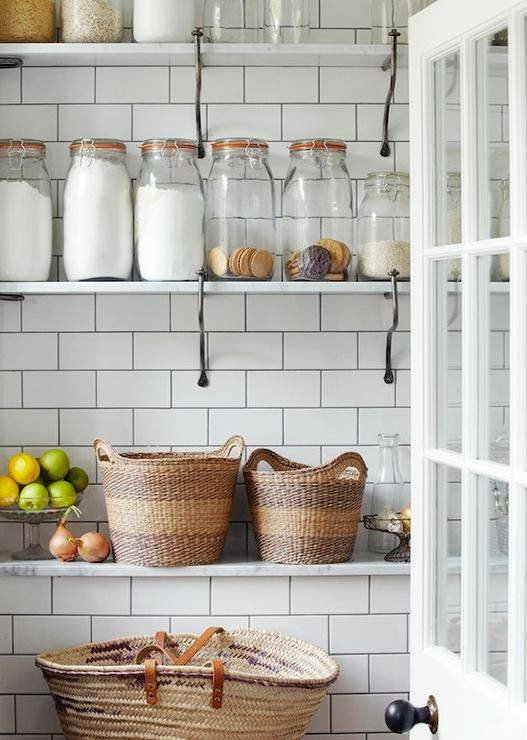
<point x="27" y="21"/>
<point x="92" y="21"/>
<point x="384" y="226"/>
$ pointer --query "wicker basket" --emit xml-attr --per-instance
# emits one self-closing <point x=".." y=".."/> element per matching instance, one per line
<point x="248" y="684"/>
<point x="302" y="514"/>
<point x="169" y="509"/>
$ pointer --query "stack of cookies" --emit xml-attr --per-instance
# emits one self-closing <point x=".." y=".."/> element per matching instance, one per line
<point x="327" y="259"/>
<point x="244" y="262"/>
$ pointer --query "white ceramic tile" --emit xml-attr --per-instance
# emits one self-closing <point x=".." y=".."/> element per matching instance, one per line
<point x="7" y="714"/>
<point x="362" y="313"/>
<point x="259" y="595"/>
<point x="329" y="595"/>
<point x="353" y="677"/>
<point x="10" y="316"/>
<point x="245" y="351"/>
<point x="20" y="675"/>
<point x="355" y="388"/>
<point x="368" y="634"/>
<point x="221" y="312"/>
<point x="368" y="117"/>
<point x="361" y="712"/>
<point x="257" y="121"/>
<point x="133" y="313"/>
<point x="36" y="714"/>
<point x="58" y="313"/>
<point x="58" y="85"/>
<point x="163" y="121"/>
<point x="256" y="426"/>
<point x="320" y="426"/>
<point x="10" y="390"/>
<point x="6" y="636"/>
<point x="312" y="629"/>
<point x="372" y="350"/>
<point x="282" y="313"/>
<point x="170" y="595"/>
<point x="140" y="389"/>
<point x="33" y="634"/>
<point x="113" y="628"/>
<point x="335" y="14"/>
<point x="168" y="351"/>
<point x="78" y="595"/>
<point x="283" y="388"/>
<point x="365" y="158"/>
<point x="402" y="388"/>
<point x="10" y="86"/>
<point x="28" y="351"/>
<point x="390" y="673"/>
<point x="226" y="389"/>
<point x="27" y="595"/>
<point x="82" y="426"/>
<point x="389" y="594"/>
<point x="101" y="121"/>
<point x="170" y="427"/>
<point x="352" y="84"/>
<point x="59" y="389"/>
<point x="28" y="427"/>
<point x="96" y="351"/>
<point x="219" y="85"/>
<point x="320" y="350"/>
<point x="132" y="85"/>
<point x="197" y="624"/>
<point x="28" y="122"/>
<point x="389" y="421"/>
<point x="281" y="85"/>
<point x="323" y="120"/>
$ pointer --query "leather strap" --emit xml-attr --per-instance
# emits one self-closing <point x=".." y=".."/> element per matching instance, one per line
<point x="151" y="681"/>
<point x="196" y="646"/>
<point x="218" y="679"/>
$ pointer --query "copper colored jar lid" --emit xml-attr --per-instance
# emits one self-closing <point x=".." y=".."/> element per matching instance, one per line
<point x="29" y="145"/>
<point x="163" y="145"/>
<point x="108" y="144"/>
<point x="238" y="143"/>
<point x="304" y="145"/>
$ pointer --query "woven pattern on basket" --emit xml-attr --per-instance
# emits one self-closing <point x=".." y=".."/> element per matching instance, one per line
<point x="303" y="514"/>
<point x="169" y="509"/>
<point x="273" y="686"/>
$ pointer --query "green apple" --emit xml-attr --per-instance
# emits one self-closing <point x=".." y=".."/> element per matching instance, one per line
<point x="62" y="494"/>
<point x="55" y="464"/>
<point x="78" y="479"/>
<point x="33" y="497"/>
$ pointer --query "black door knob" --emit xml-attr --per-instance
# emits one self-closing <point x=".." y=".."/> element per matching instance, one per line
<point x="401" y="716"/>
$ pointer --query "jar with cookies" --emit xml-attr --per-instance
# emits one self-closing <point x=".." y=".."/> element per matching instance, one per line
<point x="318" y="212"/>
<point x="241" y="211"/>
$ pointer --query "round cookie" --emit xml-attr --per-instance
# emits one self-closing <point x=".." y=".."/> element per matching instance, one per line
<point x="315" y="263"/>
<point x="334" y="247"/>
<point x="217" y="261"/>
<point x="347" y="256"/>
<point x="235" y="258"/>
<point x="261" y="264"/>
<point x="245" y="261"/>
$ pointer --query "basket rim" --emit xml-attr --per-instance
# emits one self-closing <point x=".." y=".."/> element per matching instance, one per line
<point x="301" y="469"/>
<point x="46" y="662"/>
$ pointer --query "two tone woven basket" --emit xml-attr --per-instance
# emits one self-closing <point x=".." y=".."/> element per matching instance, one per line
<point x="303" y="514"/>
<point x="169" y="509"/>
<point x="246" y="684"/>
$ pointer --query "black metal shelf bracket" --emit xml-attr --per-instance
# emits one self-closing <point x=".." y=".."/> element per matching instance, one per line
<point x="391" y="64"/>
<point x="389" y="377"/>
<point x="12" y="297"/>
<point x="10" y="62"/>
<point x="198" y="35"/>
<point x="203" y="381"/>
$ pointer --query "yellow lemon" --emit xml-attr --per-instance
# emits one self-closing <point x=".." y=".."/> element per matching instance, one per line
<point x="23" y="468"/>
<point x="8" y="491"/>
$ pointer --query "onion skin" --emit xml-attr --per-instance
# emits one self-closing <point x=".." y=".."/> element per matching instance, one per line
<point x="63" y="545"/>
<point x="93" y="547"/>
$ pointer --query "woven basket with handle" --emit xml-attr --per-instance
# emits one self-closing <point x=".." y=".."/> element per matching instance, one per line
<point x="303" y="514"/>
<point x="247" y="684"/>
<point x="169" y="509"/>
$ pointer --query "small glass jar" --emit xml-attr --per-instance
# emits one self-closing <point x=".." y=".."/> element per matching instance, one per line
<point x="384" y="226"/>
<point x="318" y="211"/>
<point x="98" y="219"/>
<point x="232" y="21"/>
<point x="164" y="21"/>
<point x="92" y="21"/>
<point x="169" y="211"/>
<point x="24" y="23"/>
<point x="25" y="211"/>
<point x="241" y="211"/>
<point x="387" y="15"/>
<point x="388" y="493"/>
<point x="286" y="21"/>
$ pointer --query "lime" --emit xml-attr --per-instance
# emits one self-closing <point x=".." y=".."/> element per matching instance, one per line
<point x="61" y="494"/>
<point x="55" y="464"/>
<point x="78" y="479"/>
<point x="8" y="491"/>
<point x="33" y="497"/>
<point x="23" y="468"/>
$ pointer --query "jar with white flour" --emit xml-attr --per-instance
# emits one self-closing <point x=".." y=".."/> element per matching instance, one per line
<point x="98" y="218"/>
<point x="169" y="211"/>
<point x="25" y="211"/>
<point x="164" y="21"/>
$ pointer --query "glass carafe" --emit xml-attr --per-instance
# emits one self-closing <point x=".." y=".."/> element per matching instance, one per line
<point x="286" y="21"/>
<point x="388" y="491"/>
<point x="232" y="21"/>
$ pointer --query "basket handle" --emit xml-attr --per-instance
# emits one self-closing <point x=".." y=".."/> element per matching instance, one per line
<point x="233" y="443"/>
<point x="337" y="467"/>
<point x="104" y="451"/>
<point x="276" y="461"/>
<point x="218" y="680"/>
<point x="188" y="654"/>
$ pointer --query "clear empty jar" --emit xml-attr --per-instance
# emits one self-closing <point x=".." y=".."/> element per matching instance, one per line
<point x="386" y="15"/>
<point x="169" y="211"/>
<point x="232" y="21"/>
<point x="318" y="211"/>
<point x="24" y="22"/>
<point x="286" y="21"/>
<point x="92" y="21"/>
<point x="25" y="211"/>
<point x="384" y="226"/>
<point x="241" y="211"/>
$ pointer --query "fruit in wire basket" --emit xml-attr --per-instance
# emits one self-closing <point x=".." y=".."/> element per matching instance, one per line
<point x="33" y="497"/>
<point x="23" y="468"/>
<point x="62" y="494"/>
<point x="8" y="491"/>
<point x="406" y="518"/>
<point x="55" y="464"/>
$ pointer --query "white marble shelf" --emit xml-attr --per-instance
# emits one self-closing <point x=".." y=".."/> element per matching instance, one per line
<point x="364" y="564"/>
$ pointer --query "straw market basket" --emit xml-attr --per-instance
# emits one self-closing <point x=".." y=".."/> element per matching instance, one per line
<point x="302" y="514"/>
<point x="169" y="509"/>
<point x="247" y="684"/>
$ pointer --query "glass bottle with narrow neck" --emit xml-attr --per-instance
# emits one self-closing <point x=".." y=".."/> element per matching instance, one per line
<point x="388" y="491"/>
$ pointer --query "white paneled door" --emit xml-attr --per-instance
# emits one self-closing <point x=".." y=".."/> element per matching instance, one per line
<point x="469" y="392"/>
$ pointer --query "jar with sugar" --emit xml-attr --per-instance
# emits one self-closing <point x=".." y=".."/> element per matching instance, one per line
<point x="98" y="218"/>
<point x="92" y="21"/>
<point x="25" y="22"/>
<point x="384" y="226"/>
<point x="169" y="211"/>
<point x="164" y="21"/>
<point x="25" y="211"/>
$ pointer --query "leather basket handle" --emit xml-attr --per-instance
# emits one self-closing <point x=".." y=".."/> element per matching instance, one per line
<point x="218" y="680"/>
<point x="196" y="646"/>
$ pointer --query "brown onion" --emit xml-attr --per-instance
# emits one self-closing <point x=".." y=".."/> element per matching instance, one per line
<point x="63" y="545"/>
<point x="93" y="547"/>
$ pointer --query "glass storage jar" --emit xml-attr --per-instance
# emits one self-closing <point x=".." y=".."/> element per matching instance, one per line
<point x="241" y="211"/>
<point x="25" y="211"/>
<point x="98" y="219"/>
<point x="386" y="15"/>
<point x="164" y="21"/>
<point x="92" y="21"/>
<point x="388" y="495"/>
<point x="169" y="211"/>
<point x="318" y="211"/>
<point x="23" y="22"/>
<point x="384" y="226"/>
<point x="286" y="21"/>
<point x="232" y="21"/>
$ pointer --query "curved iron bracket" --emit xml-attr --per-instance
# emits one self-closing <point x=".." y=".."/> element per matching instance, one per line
<point x="203" y="379"/>
<point x="10" y="62"/>
<point x="389" y="377"/>
<point x="390" y="63"/>
<point x="12" y="297"/>
<point x="198" y="35"/>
